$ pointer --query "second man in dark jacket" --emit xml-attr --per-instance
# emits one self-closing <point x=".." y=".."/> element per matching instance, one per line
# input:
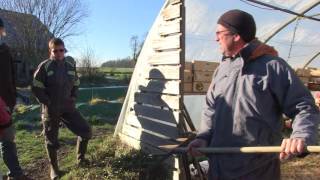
<point x="55" y="85"/>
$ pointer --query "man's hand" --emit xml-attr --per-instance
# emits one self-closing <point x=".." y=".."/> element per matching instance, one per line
<point x="197" y="143"/>
<point x="291" y="147"/>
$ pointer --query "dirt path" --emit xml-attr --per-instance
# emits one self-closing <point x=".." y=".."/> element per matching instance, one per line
<point x="307" y="168"/>
<point x="39" y="169"/>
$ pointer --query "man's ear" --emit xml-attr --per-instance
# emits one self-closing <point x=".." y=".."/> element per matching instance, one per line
<point x="237" y="38"/>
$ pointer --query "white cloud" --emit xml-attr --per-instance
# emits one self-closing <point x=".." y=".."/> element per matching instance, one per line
<point x="283" y="3"/>
<point x="306" y="36"/>
<point x="263" y="31"/>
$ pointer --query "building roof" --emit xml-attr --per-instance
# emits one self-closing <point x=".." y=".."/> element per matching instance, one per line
<point x="23" y="29"/>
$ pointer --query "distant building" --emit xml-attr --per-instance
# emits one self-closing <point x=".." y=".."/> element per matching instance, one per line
<point x="28" y="39"/>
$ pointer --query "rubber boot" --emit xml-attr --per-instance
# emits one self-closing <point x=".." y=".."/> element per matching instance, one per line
<point x="53" y="160"/>
<point x="82" y="145"/>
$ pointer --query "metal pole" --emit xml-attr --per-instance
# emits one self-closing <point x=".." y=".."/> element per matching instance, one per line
<point x="285" y="24"/>
<point x="309" y="61"/>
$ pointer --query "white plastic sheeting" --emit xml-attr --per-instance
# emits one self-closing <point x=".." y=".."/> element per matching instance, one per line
<point x="201" y="18"/>
<point x="202" y="15"/>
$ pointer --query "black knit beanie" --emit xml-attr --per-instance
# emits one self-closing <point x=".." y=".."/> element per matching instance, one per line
<point x="239" y="22"/>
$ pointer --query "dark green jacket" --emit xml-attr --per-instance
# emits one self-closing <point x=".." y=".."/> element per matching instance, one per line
<point x="55" y="83"/>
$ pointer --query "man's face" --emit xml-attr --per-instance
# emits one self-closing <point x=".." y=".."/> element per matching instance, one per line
<point x="226" y="40"/>
<point x="2" y="31"/>
<point x="57" y="52"/>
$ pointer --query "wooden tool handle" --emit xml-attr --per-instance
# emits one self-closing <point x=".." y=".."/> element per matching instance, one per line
<point x="260" y="149"/>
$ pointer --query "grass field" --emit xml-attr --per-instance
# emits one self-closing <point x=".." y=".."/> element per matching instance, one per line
<point x="85" y="95"/>
<point x="109" y="159"/>
<point x="105" y="76"/>
<point x="116" y="70"/>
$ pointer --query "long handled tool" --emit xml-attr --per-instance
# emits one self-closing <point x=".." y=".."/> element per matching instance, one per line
<point x="260" y="149"/>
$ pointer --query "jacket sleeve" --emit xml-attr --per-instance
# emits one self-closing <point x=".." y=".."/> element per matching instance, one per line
<point x="13" y="78"/>
<point x="74" y="91"/>
<point x="206" y="125"/>
<point x="295" y="101"/>
<point x="38" y="85"/>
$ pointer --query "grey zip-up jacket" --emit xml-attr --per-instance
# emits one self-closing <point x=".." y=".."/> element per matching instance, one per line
<point x="244" y="106"/>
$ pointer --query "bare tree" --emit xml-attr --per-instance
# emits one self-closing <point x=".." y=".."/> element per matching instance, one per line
<point x="31" y="23"/>
<point x="134" y="44"/>
<point x="59" y="16"/>
<point x="87" y="65"/>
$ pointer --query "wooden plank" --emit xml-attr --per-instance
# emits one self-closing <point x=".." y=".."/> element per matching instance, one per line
<point x="161" y="121"/>
<point x="147" y="148"/>
<point x="161" y="86"/>
<point x="146" y="137"/>
<point x="303" y="72"/>
<point x="308" y="72"/>
<point x="156" y="99"/>
<point x="187" y="87"/>
<point x="314" y="72"/>
<point x="164" y="72"/>
<point x="172" y="2"/>
<point x="136" y="144"/>
<point x="153" y="126"/>
<point x="200" y="86"/>
<point x="203" y="76"/>
<point x="305" y="80"/>
<point x="170" y="27"/>
<point x="313" y="86"/>
<point x="194" y="93"/>
<point x="169" y="57"/>
<point x="167" y="43"/>
<point x="188" y="66"/>
<point x="172" y="12"/>
<point x="187" y="76"/>
<point x="204" y="66"/>
<point x="315" y="80"/>
<point x="156" y="113"/>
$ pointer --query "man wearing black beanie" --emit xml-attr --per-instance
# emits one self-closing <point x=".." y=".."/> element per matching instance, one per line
<point x="250" y="91"/>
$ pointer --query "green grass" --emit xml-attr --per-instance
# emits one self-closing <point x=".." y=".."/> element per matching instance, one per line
<point x="29" y="147"/>
<point x="104" y="111"/>
<point x="109" y="159"/>
<point x="116" y="70"/>
<point x="106" y="76"/>
<point x="109" y="94"/>
<point x="28" y="124"/>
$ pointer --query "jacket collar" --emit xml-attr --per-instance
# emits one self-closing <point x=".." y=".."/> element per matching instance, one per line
<point x="252" y="51"/>
<point x="256" y="49"/>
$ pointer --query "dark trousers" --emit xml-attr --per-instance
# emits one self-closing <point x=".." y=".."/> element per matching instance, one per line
<point x="73" y="121"/>
<point x="9" y="152"/>
<point x="269" y="171"/>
